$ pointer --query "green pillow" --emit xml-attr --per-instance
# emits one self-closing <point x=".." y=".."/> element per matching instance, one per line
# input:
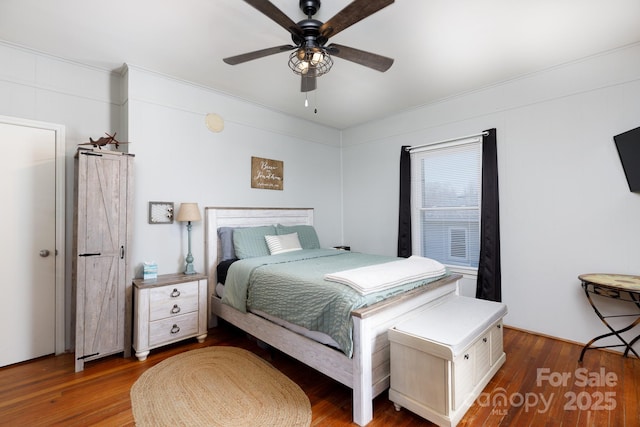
<point x="249" y="242"/>
<point x="306" y="234"/>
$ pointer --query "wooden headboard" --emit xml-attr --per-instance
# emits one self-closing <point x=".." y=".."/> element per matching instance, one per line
<point x="216" y="217"/>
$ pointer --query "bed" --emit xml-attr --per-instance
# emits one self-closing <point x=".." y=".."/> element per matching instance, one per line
<point x="366" y="371"/>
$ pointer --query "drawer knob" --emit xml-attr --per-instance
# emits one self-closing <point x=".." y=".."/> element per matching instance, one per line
<point x="175" y="329"/>
<point x="483" y="339"/>
<point x="175" y="309"/>
<point x="466" y="356"/>
<point x="175" y="293"/>
<point x="499" y="326"/>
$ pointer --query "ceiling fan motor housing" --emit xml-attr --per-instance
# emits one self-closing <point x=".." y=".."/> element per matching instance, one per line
<point x="311" y="36"/>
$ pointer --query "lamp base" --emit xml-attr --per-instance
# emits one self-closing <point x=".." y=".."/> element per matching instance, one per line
<point x="189" y="259"/>
<point x="189" y="269"/>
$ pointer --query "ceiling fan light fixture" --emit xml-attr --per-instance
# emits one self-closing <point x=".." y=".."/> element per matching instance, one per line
<point x="305" y="59"/>
<point x="302" y="67"/>
<point x="317" y="58"/>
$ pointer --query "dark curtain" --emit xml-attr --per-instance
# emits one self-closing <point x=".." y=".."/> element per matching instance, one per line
<point x="489" y="275"/>
<point x="404" y="217"/>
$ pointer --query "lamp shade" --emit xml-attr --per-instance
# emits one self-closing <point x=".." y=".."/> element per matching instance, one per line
<point x="188" y="212"/>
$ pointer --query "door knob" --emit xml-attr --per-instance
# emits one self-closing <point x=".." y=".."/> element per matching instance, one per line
<point x="44" y="253"/>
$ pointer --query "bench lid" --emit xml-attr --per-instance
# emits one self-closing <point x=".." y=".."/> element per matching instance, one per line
<point x="456" y="322"/>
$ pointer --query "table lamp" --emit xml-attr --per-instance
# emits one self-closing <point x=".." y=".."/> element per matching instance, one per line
<point x="189" y="212"/>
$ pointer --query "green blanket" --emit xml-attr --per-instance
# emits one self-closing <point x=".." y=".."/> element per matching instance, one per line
<point x="291" y="286"/>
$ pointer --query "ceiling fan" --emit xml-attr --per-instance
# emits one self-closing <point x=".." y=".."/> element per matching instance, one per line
<point x="312" y="57"/>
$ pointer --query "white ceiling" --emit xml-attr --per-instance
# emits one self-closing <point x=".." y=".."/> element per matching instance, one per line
<point x="441" y="47"/>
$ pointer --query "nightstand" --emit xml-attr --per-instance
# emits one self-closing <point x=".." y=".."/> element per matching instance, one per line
<point x="170" y="308"/>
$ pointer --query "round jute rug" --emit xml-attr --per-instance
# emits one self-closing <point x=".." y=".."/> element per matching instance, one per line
<point x="218" y="386"/>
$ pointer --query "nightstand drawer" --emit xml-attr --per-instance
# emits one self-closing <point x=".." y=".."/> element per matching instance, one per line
<point x="170" y="301"/>
<point x="172" y="329"/>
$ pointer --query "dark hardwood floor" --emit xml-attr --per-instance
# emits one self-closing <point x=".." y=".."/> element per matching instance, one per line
<point x="541" y="383"/>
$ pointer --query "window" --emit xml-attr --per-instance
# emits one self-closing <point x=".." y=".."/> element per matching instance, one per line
<point x="445" y="182"/>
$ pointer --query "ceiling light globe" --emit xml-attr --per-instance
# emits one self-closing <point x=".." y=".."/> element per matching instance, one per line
<point x="317" y="58"/>
<point x="303" y="67"/>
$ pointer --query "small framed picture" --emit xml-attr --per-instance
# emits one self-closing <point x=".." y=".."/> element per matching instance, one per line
<point x="160" y="212"/>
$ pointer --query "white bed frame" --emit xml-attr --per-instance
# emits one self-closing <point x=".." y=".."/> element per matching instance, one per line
<point x="367" y="372"/>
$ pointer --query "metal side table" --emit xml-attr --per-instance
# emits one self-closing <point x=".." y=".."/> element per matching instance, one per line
<point x="616" y="286"/>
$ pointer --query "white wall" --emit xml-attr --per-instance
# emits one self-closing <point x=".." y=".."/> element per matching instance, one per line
<point x="84" y="99"/>
<point x="179" y="160"/>
<point x="565" y="205"/>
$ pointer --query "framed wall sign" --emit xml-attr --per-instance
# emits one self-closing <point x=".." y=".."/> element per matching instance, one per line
<point x="267" y="174"/>
<point x="160" y="212"/>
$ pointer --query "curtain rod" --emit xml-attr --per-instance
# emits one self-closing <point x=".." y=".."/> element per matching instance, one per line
<point x="485" y="133"/>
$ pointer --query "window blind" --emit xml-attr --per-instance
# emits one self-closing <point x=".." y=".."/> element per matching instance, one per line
<point x="446" y="184"/>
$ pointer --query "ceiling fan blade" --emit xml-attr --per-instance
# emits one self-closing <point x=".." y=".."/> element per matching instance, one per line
<point x="356" y="11"/>
<point x="239" y="59"/>
<point x="368" y="59"/>
<point x="275" y="14"/>
<point x="308" y="83"/>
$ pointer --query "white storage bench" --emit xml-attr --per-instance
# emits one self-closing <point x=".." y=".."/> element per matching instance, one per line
<point x="442" y="358"/>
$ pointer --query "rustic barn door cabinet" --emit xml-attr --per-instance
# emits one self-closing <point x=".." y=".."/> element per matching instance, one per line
<point x="102" y="235"/>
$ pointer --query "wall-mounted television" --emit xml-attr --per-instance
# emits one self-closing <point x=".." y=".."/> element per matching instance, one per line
<point x="628" y="145"/>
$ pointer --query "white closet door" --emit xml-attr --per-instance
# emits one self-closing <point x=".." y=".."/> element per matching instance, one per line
<point x="27" y="248"/>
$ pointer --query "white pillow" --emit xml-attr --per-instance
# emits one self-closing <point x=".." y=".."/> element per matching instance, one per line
<point x="283" y="243"/>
